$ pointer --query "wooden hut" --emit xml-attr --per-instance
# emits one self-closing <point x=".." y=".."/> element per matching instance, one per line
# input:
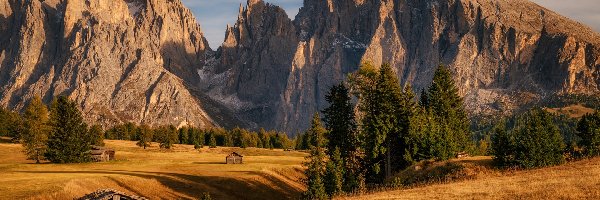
<point x="102" y="154"/>
<point x="234" y="158"/>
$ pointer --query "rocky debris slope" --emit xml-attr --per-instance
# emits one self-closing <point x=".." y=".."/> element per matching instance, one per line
<point x="504" y="54"/>
<point x="121" y="60"/>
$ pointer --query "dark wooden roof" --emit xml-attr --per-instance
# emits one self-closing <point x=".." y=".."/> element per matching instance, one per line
<point x="235" y="154"/>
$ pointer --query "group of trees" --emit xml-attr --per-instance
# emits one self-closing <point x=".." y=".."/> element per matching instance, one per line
<point x="57" y="134"/>
<point x="166" y="136"/>
<point x="537" y="139"/>
<point x="389" y="131"/>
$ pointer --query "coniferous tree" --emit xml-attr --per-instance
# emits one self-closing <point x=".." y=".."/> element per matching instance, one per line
<point x="166" y="136"/>
<point x="35" y="130"/>
<point x="533" y="141"/>
<point x="69" y="141"/>
<point x="183" y="135"/>
<point x="447" y="106"/>
<point x="339" y="121"/>
<point x="503" y="145"/>
<point x="334" y="175"/>
<point x="212" y="140"/>
<point x="315" y="162"/>
<point x="11" y="125"/>
<point x="146" y="134"/>
<point x="97" y="135"/>
<point x="380" y="124"/>
<point x="588" y="129"/>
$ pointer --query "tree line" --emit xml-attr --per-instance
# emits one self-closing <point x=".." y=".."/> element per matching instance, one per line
<point x="212" y="137"/>
<point x="59" y="134"/>
<point x="374" y="128"/>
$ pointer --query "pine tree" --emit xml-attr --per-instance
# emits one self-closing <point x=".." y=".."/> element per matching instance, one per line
<point x="11" y="125"/>
<point x="339" y="121"/>
<point x="588" y="129"/>
<point x="447" y="106"/>
<point x="166" y="136"/>
<point x="97" y="135"/>
<point x="69" y="141"/>
<point x="380" y="124"/>
<point x="145" y="133"/>
<point x="183" y="135"/>
<point x="36" y="130"/>
<point x="334" y="175"/>
<point x="212" y="141"/>
<point x="503" y="145"/>
<point x="316" y="162"/>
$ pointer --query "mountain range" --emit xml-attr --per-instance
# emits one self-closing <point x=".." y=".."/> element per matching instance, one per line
<point x="147" y="61"/>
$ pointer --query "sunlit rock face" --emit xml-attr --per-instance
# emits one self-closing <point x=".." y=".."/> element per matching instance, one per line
<point x="146" y="61"/>
<point x="120" y="60"/>
<point x="504" y="54"/>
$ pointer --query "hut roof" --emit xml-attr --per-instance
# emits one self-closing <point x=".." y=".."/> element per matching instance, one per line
<point x="235" y="154"/>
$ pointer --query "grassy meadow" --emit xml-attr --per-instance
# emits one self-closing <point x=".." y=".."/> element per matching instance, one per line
<point x="186" y="173"/>
<point x="181" y="173"/>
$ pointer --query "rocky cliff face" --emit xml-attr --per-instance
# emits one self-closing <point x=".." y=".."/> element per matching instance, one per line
<point x="504" y="54"/>
<point x="121" y="60"/>
<point x="146" y="61"/>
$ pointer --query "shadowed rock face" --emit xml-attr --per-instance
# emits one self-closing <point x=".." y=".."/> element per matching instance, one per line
<point x="147" y="61"/>
<point x="504" y="54"/>
<point x="121" y="60"/>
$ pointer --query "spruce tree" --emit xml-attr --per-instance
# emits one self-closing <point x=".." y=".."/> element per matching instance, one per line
<point x="166" y="136"/>
<point x="69" y="141"/>
<point x="588" y="129"/>
<point x="447" y="106"/>
<point x="339" y="121"/>
<point x="97" y="135"/>
<point x="146" y="134"/>
<point x="36" y="130"/>
<point x="334" y="175"/>
<point x="503" y="145"/>
<point x="315" y="162"/>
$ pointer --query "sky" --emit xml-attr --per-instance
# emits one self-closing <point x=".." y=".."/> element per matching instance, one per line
<point x="214" y="15"/>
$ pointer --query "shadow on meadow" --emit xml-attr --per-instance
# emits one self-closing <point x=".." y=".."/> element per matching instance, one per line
<point x="263" y="186"/>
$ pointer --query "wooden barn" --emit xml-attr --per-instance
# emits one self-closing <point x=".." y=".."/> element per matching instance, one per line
<point x="102" y="154"/>
<point x="234" y="158"/>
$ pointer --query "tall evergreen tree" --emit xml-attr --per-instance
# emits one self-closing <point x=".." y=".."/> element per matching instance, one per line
<point x="97" y="135"/>
<point x="315" y="162"/>
<point x="36" y="130"/>
<point x="69" y="141"/>
<point x="146" y="134"/>
<point x="588" y="129"/>
<point x="380" y="124"/>
<point x="334" y="175"/>
<point x="339" y="121"/>
<point x="166" y="136"/>
<point x="447" y="106"/>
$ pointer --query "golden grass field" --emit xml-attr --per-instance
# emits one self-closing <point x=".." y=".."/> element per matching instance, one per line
<point x="182" y="173"/>
<point x="573" y="111"/>
<point x="576" y="180"/>
<point x="185" y="173"/>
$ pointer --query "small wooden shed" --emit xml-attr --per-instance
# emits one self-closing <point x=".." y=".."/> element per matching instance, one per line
<point x="234" y="158"/>
<point x="102" y="154"/>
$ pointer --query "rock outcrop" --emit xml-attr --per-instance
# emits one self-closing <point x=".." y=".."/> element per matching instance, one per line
<point x="504" y="54"/>
<point x="121" y="60"/>
<point x="146" y="61"/>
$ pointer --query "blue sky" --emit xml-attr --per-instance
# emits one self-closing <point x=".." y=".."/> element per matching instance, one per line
<point x="214" y="15"/>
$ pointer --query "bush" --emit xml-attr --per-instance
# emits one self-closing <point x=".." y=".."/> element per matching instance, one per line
<point x="533" y="141"/>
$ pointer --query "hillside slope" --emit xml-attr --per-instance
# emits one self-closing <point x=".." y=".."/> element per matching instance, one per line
<point x="576" y="180"/>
